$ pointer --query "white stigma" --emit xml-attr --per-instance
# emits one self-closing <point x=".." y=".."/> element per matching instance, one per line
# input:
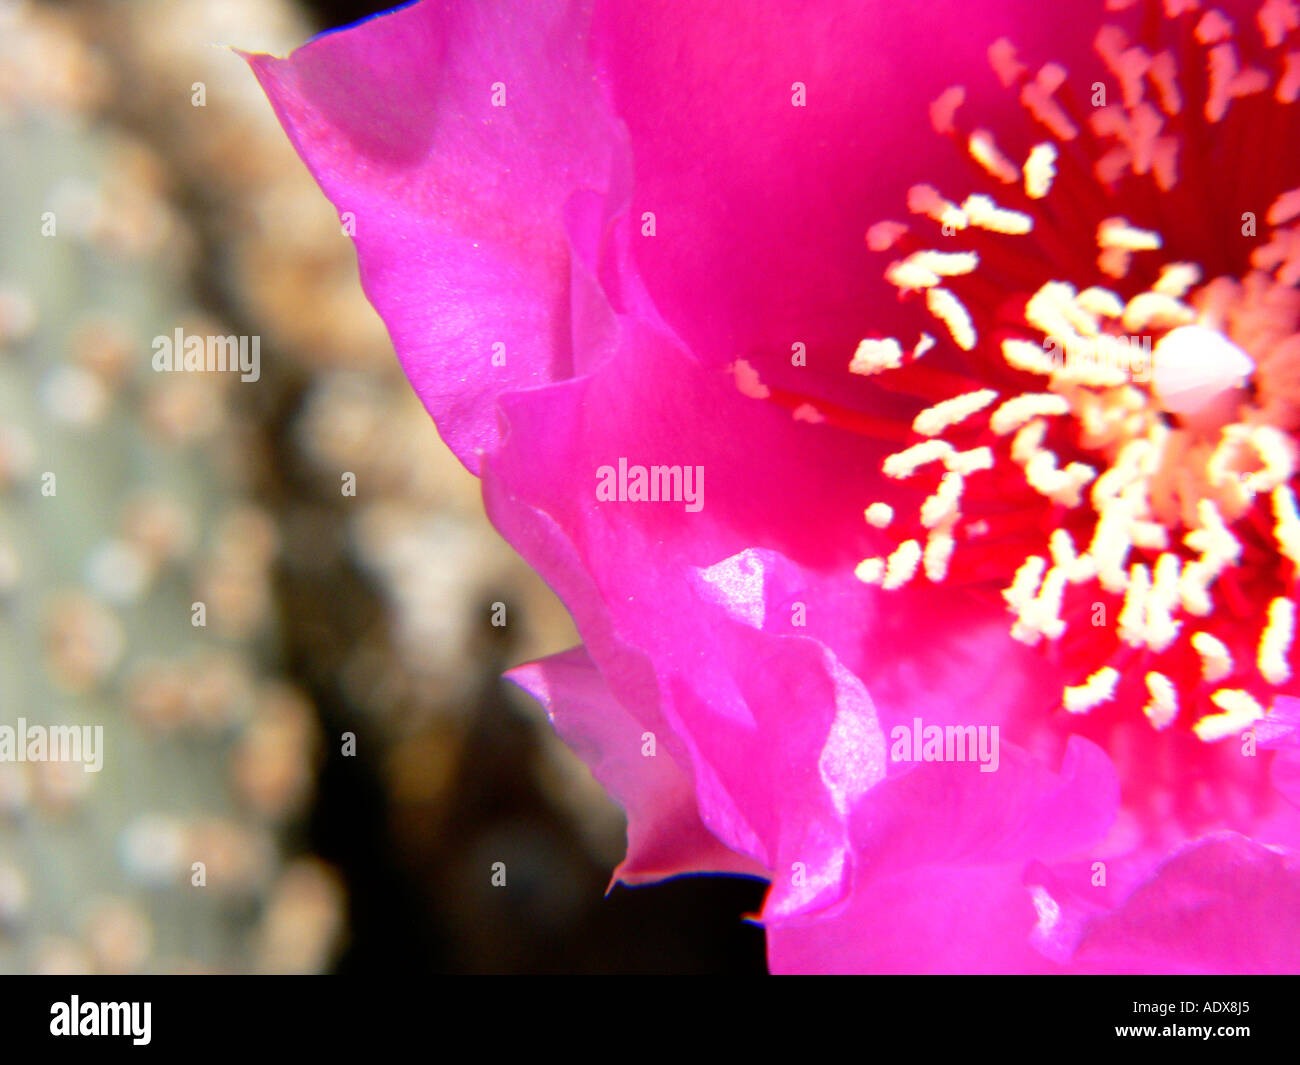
<point x="1196" y="371"/>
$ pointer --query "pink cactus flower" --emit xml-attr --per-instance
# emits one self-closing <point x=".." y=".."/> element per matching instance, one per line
<point x="902" y="398"/>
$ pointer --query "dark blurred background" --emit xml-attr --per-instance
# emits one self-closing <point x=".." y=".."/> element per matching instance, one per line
<point x="177" y="202"/>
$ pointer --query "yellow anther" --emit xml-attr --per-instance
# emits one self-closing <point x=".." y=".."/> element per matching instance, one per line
<point x="1041" y="615"/>
<point x="1028" y="356"/>
<point x="1194" y="588"/>
<point x="925" y="200"/>
<point x="903" y="464"/>
<point x="1161" y="628"/>
<point x="944" y="505"/>
<point x="1213" y="540"/>
<point x="939" y="547"/>
<point x="1156" y="310"/>
<point x="1111" y="545"/>
<point x="1024" y="586"/>
<point x="1097" y="689"/>
<point x="984" y="150"/>
<point x="984" y="213"/>
<point x="1117" y="233"/>
<point x="1287" y="529"/>
<point x="968" y="462"/>
<point x="1100" y="301"/>
<point x="1177" y="279"/>
<point x="952" y="312"/>
<point x="1277" y="452"/>
<point x="1216" y="659"/>
<point x="1133" y="617"/>
<point x="876" y="356"/>
<point x="942" y="416"/>
<point x="1239" y="712"/>
<point x="1285" y="208"/>
<point x="1275" y="642"/>
<point x="879" y="515"/>
<point x="902" y="564"/>
<point x="1015" y="412"/>
<point x="1040" y="170"/>
<point x="1162" y="708"/>
<point x="925" y="269"/>
<point x="1077" y="568"/>
<point x="870" y="570"/>
<point x="1028" y="441"/>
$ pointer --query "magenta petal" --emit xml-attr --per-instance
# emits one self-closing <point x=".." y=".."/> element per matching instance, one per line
<point x="957" y="814"/>
<point x="933" y="919"/>
<point x="676" y="610"/>
<point x="1224" y="904"/>
<point x="761" y="206"/>
<point x="938" y="855"/>
<point x="1281" y="728"/>
<point x="1285" y="775"/>
<point x="462" y="210"/>
<point x="665" y="836"/>
<point x="692" y="624"/>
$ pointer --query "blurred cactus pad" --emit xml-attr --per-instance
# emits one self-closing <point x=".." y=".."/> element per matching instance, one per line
<point x="135" y="594"/>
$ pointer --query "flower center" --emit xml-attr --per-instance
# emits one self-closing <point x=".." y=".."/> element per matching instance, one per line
<point x="1118" y="453"/>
